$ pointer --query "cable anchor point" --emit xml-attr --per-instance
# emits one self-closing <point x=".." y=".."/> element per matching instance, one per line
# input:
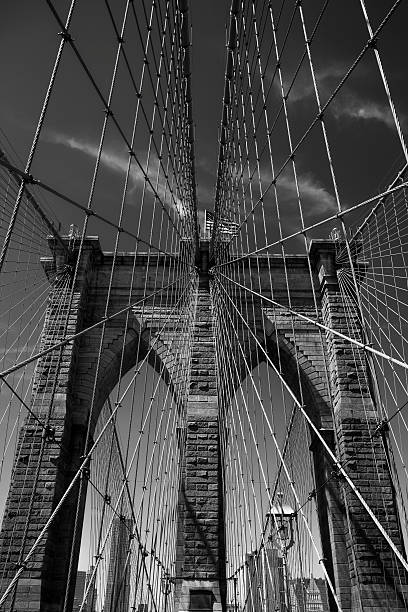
<point x="48" y="433"/>
<point x="337" y="474"/>
<point x="381" y="428"/>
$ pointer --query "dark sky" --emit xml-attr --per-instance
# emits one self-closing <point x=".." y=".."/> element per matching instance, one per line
<point x="366" y="151"/>
<point x="365" y="148"/>
<point x="66" y="152"/>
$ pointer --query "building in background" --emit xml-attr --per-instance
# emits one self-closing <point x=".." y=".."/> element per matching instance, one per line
<point x="79" y="591"/>
<point x="265" y="581"/>
<point x="309" y="595"/>
<point x="81" y="585"/>
<point x="118" y="579"/>
<point x="265" y="586"/>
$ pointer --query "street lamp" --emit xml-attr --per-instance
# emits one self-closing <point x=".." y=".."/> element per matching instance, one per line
<point x="281" y="519"/>
<point x="166" y="583"/>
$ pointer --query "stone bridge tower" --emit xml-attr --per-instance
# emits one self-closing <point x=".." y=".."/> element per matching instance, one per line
<point x="361" y="568"/>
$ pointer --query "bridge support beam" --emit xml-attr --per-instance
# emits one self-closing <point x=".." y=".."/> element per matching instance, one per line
<point x="200" y="562"/>
<point x="364" y="571"/>
<point x="46" y="460"/>
<point x="367" y="575"/>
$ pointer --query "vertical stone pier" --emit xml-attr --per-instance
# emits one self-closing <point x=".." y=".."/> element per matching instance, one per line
<point x="369" y="576"/>
<point x="200" y="563"/>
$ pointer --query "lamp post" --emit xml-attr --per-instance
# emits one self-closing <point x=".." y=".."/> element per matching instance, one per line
<point x="166" y="583"/>
<point x="281" y="519"/>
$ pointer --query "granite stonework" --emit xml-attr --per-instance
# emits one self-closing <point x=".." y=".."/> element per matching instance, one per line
<point x="336" y="393"/>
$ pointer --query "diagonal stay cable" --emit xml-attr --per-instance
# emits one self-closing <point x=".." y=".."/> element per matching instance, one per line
<point x="365" y="222"/>
<point x="368" y="45"/>
<point x="82" y="466"/>
<point x="303" y="231"/>
<point x="362" y="345"/>
<point x="316" y="430"/>
<point x="36" y="138"/>
<point x="273" y="435"/>
<point x="73" y="337"/>
<point x="89" y="212"/>
<point x="31" y="199"/>
<point x="65" y="35"/>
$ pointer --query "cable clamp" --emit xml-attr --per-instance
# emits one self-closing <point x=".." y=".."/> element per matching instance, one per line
<point x="107" y="499"/>
<point x="336" y="473"/>
<point x="312" y="495"/>
<point x="28" y="179"/>
<point x="372" y="43"/>
<point x="108" y="112"/>
<point x="381" y="428"/>
<point x="85" y="470"/>
<point x="85" y="473"/>
<point x="48" y="433"/>
<point x="21" y="565"/>
<point x="65" y="36"/>
<point x="65" y="269"/>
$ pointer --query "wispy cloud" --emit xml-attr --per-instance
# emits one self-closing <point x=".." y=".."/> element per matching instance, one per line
<point x="118" y="161"/>
<point x="303" y="87"/>
<point x="353" y="107"/>
<point x="314" y="197"/>
<point x="348" y="104"/>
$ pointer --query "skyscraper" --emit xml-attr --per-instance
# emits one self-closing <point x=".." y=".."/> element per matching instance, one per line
<point x="79" y="590"/>
<point x="309" y="595"/>
<point x="265" y="581"/>
<point x="118" y="584"/>
<point x="81" y="586"/>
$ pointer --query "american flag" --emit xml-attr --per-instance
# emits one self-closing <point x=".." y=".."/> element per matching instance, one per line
<point x="225" y="226"/>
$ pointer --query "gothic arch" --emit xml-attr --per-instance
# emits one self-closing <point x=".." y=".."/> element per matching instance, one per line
<point x="137" y="346"/>
<point x="287" y="356"/>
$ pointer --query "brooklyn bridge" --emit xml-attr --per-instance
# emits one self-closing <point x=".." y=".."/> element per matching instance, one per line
<point x="203" y="306"/>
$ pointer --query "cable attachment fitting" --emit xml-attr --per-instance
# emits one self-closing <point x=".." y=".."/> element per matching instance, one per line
<point x="85" y="469"/>
<point x="85" y="473"/>
<point x="65" y="36"/>
<point x="21" y="565"/>
<point x="143" y="551"/>
<point x="48" y="433"/>
<point x="372" y="43"/>
<point x="336" y="473"/>
<point x="381" y="428"/>
<point x="107" y="499"/>
<point x="65" y="269"/>
<point x="312" y="495"/>
<point x="28" y="179"/>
